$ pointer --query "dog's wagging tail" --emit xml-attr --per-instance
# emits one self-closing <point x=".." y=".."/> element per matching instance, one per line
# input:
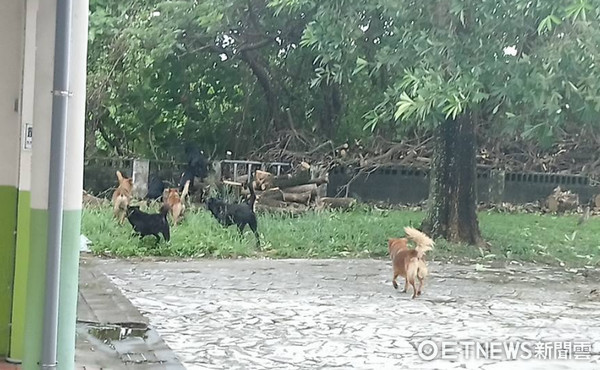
<point x="410" y="263"/>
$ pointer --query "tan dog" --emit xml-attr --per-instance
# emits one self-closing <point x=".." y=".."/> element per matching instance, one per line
<point x="122" y="196"/>
<point x="176" y="203"/>
<point x="410" y="263"/>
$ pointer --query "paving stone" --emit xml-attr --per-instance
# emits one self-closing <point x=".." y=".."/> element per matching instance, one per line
<point x="321" y="314"/>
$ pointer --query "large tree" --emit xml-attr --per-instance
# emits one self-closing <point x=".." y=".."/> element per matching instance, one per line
<point x="219" y="71"/>
<point x="222" y="73"/>
<point x="456" y="66"/>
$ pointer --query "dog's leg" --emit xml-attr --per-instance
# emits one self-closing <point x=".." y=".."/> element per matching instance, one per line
<point x="421" y="275"/>
<point x="394" y="283"/>
<point x="420" y="284"/>
<point x="412" y="282"/>
<point x="254" y="227"/>
<point x="405" y="285"/>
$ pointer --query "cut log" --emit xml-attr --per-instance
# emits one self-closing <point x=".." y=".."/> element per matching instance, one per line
<point x="273" y="193"/>
<point x="552" y="204"/>
<point x="318" y="181"/>
<point x="303" y="198"/>
<point x="597" y="201"/>
<point x="262" y="176"/>
<point x="287" y="181"/>
<point x="561" y="201"/>
<point x="291" y="211"/>
<point x="303" y="166"/>
<point x="338" y="203"/>
<point x="91" y="201"/>
<point x="263" y="180"/>
<point x="232" y="183"/>
<point x="271" y="202"/>
<point x="307" y="188"/>
<point x="242" y="178"/>
<point x="301" y="176"/>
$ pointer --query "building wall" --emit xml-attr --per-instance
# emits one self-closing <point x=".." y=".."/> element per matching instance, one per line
<point x="11" y="26"/>
<point x="24" y="186"/>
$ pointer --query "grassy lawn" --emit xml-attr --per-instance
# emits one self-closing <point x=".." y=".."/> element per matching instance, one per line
<point x="359" y="234"/>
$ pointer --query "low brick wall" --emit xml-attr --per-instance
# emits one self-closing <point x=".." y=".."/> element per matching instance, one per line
<point x="398" y="184"/>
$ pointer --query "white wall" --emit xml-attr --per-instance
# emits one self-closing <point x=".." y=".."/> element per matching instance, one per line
<point x="11" y="43"/>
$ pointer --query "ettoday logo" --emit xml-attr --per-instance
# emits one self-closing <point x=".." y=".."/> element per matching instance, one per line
<point x="518" y="350"/>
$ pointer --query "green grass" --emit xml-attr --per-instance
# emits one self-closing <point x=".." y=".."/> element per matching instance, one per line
<point x="360" y="233"/>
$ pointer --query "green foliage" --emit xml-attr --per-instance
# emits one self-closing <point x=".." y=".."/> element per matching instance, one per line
<point x="220" y="72"/>
<point x="360" y="233"/>
<point x="147" y="91"/>
<point x="519" y="64"/>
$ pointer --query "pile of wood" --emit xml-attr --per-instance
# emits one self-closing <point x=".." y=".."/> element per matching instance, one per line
<point x="562" y="200"/>
<point x="296" y="192"/>
<point x="90" y="201"/>
<point x="574" y="153"/>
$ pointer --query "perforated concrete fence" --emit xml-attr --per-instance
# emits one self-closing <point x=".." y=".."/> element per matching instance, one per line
<point x="405" y="185"/>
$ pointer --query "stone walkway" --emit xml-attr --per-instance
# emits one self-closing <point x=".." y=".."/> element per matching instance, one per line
<point x="325" y="314"/>
<point x="111" y="333"/>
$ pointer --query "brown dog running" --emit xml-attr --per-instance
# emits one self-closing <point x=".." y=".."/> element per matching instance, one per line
<point x="410" y="263"/>
<point x="122" y="196"/>
<point x="175" y="202"/>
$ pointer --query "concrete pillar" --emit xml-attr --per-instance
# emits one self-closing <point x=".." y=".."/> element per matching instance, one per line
<point x="496" y="189"/>
<point x="217" y="167"/>
<point x="141" y="168"/>
<point x="11" y="44"/>
<point x="42" y="112"/>
<point x="69" y="268"/>
<point x="17" y="344"/>
<point x="44" y="65"/>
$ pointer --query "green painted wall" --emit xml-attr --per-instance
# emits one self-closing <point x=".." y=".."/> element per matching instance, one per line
<point x="21" y="268"/>
<point x="34" y="309"/>
<point x="68" y="289"/>
<point x="69" y="279"/>
<point x="8" y="225"/>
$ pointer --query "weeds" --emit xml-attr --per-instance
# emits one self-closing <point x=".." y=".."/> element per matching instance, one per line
<point x="361" y="233"/>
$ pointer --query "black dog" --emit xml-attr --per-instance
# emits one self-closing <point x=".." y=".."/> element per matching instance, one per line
<point x="196" y="161"/>
<point x="187" y="175"/>
<point x="156" y="187"/>
<point x="240" y="214"/>
<point x="197" y="166"/>
<point x="149" y="224"/>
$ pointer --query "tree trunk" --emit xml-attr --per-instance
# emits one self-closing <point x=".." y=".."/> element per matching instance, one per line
<point x="264" y="78"/>
<point x="452" y="204"/>
<point x="331" y="111"/>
